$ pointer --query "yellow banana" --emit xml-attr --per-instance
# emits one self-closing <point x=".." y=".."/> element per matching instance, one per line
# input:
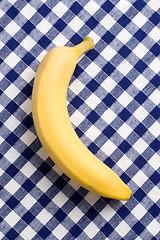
<point x="54" y="128"/>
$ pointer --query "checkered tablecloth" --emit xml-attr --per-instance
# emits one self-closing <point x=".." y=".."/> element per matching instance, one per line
<point x="114" y="106"/>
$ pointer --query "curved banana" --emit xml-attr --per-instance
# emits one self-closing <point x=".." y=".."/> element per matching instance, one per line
<point x="54" y="128"/>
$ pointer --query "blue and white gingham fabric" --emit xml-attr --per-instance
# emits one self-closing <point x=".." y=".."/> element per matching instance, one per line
<point x="114" y="106"/>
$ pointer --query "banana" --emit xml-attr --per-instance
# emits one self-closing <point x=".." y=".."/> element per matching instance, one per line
<point x="55" y="130"/>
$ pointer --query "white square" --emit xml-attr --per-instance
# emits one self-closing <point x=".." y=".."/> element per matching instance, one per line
<point x="139" y="211"/>
<point x="154" y="194"/>
<point x="154" y="4"/>
<point x="122" y="228"/>
<point x="92" y="69"/>
<point x="60" y="9"/>
<point x="76" y="214"/>
<point x="153" y="227"/>
<point x="124" y="130"/>
<point x="125" y="99"/>
<point x="91" y="7"/>
<point x="76" y="86"/>
<point x="41" y="55"/>
<point x="77" y="118"/>
<point x="107" y="22"/>
<point x="91" y="230"/>
<point x="1" y="108"/>
<point x="124" y="163"/>
<point x="92" y="198"/>
<point x="73" y="184"/>
<point x="123" y="5"/>
<point x="108" y="84"/>
<point x="155" y="97"/>
<point x="92" y="133"/>
<point x="11" y="123"/>
<point x="12" y="155"/>
<point x="28" y="233"/>
<point x="1" y="172"/>
<point x="42" y="153"/>
<point x="28" y="43"/>
<point x="75" y="24"/>
<point x="12" y="59"/>
<point x="12" y="91"/>
<point x="44" y="184"/>
<point x="60" y="199"/>
<point x="44" y="216"/>
<point x="28" y="201"/>
<point x="92" y="101"/>
<point x="60" y="231"/>
<point x="1" y="46"/>
<point x="155" y="65"/>
<point x="44" y="26"/>
<point x="1" y="203"/>
<point x="28" y="169"/>
<point x="28" y="11"/>
<point x="12" y="218"/>
<point x="155" y="34"/>
<point x="140" y="178"/>
<point x="12" y="28"/>
<point x="108" y="212"/>
<point x="12" y="186"/>
<point x="60" y="40"/>
<point x="139" y="19"/>
<point x="140" y="113"/>
<point x="1" y="13"/>
<point x="108" y="53"/>
<point x="154" y="161"/>
<point x="124" y="36"/>
<point x="140" y="50"/>
<point x="94" y="36"/>
<point x="124" y="67"/>
<point x="28" y="137"/>
<point x="28" y="74"/>
<point x="140" y="146"/>
<point x="109" y="147"/>
<point x="108" y="116"/>
<point x="140" y="82"/>
<point x="1" y="140"/>
<point x="27" y="106"/>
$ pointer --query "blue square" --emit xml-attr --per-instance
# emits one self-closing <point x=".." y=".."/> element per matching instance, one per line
<point x="108" y="68"/>
<point x="27" y="122"/>
<point x="139" y="4"/>
<point x="92" y="85"/>
<point x="27" y="90"/>
<point x="155" y="178"/>
<point x="76" y="231"/>
<point x="60" y="215"/>
<point x="12" y="76"/>
<point x="28" y="58"/>
<point x="78" y="70"/>
<point x="28" y="153"/>
<point x="125" y="146"/>
<point x="93" y="117"/>
<point x="155" y="145"/>
<point x="140" y="35"/>
<point x="91" y="213"/>
<point x="76" y="198"/>
<point x="140" y="66"/>
<point x="12" y="202"/>
<point x="12" y="44"/>
<point x="12" y="12"/>
<point x="124" y="114"/>
<point x="28" y="185"/>
<point x="139" y="195"/>
<point x="44" y="42"/>
<point x="123" y="212"/>
<point x="109" y="100"/>
<point x="155" y="112"/>
<point x="140" y="97"/>
<point x="76" y="8"/>
<point x="28" y="27"/>
<point x="125" y="83"/>
<point x="124" y="20"/>
<point x="156" y="81"/>
<point x="138" y="228"/>
<point x="93" y="148"/>
<point x="124" y="51"/>
<point x="107" y="229"/>
<point x="60" y="183"/>
<point x="12" y="107"/>
<point x="108" y="131"/>
<point x="12" y="234"/>
<point x="140" y="162"/>
<point x="125" y="178"/>
<point x="108" y="37"/>
<point x="155" y="18"/>
<point x="75" y="39"/>
<point x="154" y="210"/>
<point x="155" y="49"/>
<point x="140" y="129"/>
<point x="12" y="139"/>
<point x="28" y="217"/>
<point x="77" y="102"/>
<point x="92" y="54"/>
<point x="44" y="232"/>
<point x="44" y="168"/>
<point x="60" y="25"/>
<point x="44" y="10"/>
<point x="44" y="200"/>
<point x="92" y="23"/>
<point x="107" y="6"/>
<point x="79" y="132"/>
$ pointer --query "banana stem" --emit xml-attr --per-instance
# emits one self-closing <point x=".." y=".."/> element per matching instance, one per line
<point x="84" y="46"/>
